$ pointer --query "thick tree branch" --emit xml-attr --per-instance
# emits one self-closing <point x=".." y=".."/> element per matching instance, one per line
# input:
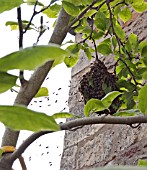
<point x="81" y="122"/>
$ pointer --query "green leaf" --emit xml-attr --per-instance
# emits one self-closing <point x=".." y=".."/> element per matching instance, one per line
<point x="142" y="104"/>
<point x="71" y="60"/>
<point x="70" y="8"/>
<point x="144" y="54"/>
<point x="100" y="21"/>
<point x="131" y="112"/>
<point x="125" y="14"/>
<point x="75" y="2"/>
<point x="7" y="81"/>
<point x="144" y="75"/>
<point x="1" y="151"/>
<point x="52" y="11"/>
<point x="21" y="118"/>
<point x="126" y="84"/>
<point x="31" y="57"/>
<point x="130" y="101"/>
<point x="73" y="49"/>
<point x="104" y="49"/>
<point x="140" y="7"/>
<point x="63" y="115"/>
<point x="88" y="53"/>
<point x="14" y="25"/>
<point x="142" y="162"/>
<point x="114" y="42"/>
<point x="97" y="35"/>
<point x="93" y="105"/>
<point x="108" y="99"/>
<point x="120" y="32"/>
<point x="132" y="43"/>
<point x="90" y="13"/>
<point x="6" y="5"/>
<point x="86" y="2"/>
<point x="141" y="45"/>
<point x="33" y="2"/>
<point x="43" y="91"/>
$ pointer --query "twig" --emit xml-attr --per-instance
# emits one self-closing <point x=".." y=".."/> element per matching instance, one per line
<point x="22" y="163"/>
<point x="96" y="52"/>
<point x="13" y="90"/>
<point x="21" y="73"/>
<point x="41" y="31"/>
<point x="34" y="14"/>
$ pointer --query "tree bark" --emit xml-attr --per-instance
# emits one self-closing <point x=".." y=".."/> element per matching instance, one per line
<point x="28" y="91"/>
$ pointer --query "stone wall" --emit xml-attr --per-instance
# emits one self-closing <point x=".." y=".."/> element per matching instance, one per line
<point x="100" y="145"/>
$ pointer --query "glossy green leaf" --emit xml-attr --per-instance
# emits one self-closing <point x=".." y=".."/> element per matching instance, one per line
<point x="108" y="99"/>
<point x="21" y="118"/>
<point x="71" y="61"/>
<point x="7" y="81"/>
<point x="52" y="11"/>
<point x="14" y="25"/>
<point x="125" y="14"/>
<point x="104" y="49"/>
<point x="142" y="104"/>
<point x="63" y="115"/>
<point x="6" y="5"/>
<point x="140" y="7"/>
<point x="142" y="162"/>
<point x="120" y="32"/>
<point x="43" y="91"/>
<point x="70" y="8"/>
<point x="93" y="105"/>
<point x="31" y="57"/>
<point x="131" y="112"/>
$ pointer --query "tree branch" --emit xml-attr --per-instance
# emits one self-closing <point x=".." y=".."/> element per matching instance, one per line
<point x="21" y="73"/>
<point x="35" y="13"/>
<point x="78" y="123"/>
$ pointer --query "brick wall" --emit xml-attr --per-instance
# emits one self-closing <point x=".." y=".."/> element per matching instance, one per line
<point x="100" y="145"/>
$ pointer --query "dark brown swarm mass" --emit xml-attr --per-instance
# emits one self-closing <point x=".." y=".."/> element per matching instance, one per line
<point x="97" y="83"/>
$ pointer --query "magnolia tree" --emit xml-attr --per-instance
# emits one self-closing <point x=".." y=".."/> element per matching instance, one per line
<point x="94" y="20"/>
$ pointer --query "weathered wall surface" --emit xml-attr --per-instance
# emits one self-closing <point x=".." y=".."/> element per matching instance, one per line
<point x="100" y="145"/>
